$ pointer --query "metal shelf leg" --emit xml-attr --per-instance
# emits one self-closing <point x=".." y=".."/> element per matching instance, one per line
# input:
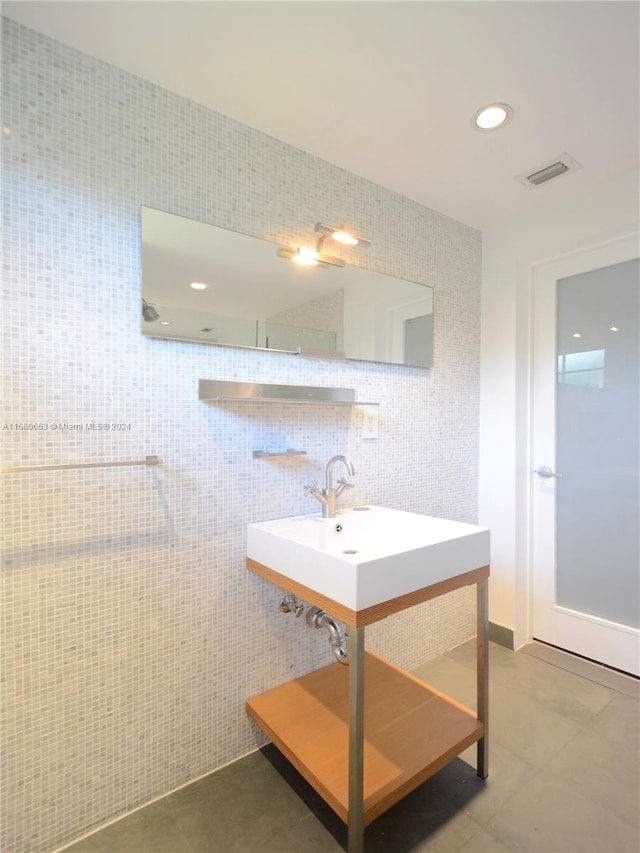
<point x="356" y="740"/>
<point x="482" y="669"/>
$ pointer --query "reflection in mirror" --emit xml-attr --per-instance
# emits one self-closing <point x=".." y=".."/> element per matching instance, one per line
<point x="250" y="297"/>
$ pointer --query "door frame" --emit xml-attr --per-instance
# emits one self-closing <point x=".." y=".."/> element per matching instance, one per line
<point x="605" y="253"/>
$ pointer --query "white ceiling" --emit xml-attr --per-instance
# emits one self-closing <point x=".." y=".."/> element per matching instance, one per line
<point x="387" y="89"/>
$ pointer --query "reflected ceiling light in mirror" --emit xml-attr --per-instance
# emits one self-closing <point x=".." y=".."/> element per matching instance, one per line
<point x="492" y="116"/>
<point x="342" y="235"/>
<point x="198" y="285"/>
<point x="149" y="313"/>
<point x="310" y="258"/>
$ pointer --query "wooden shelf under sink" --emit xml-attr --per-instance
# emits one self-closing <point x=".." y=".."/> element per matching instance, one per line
<point x="411" y="731"/>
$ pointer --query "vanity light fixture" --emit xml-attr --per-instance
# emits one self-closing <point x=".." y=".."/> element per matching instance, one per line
<point x="310" y="258"/>
<point x="198" y="285"/>
<point x="341" y="235"/>
<point x="305" y="257"/>
<point x="492" y="116"/>
<point x="149" y="313"/>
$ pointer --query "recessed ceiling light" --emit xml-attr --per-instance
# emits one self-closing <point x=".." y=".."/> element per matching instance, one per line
<point x="492" y="116"/>
<point x="165" y="323"/>
<point x="198" y="285"/>
<point x="614" y="329"/>
<point x="576" y="335"/>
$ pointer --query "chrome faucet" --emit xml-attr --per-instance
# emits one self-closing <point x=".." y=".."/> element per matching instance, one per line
<point x="328" y="495"/>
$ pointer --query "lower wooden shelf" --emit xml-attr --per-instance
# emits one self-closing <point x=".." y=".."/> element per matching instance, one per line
<point x="411" y="731"/>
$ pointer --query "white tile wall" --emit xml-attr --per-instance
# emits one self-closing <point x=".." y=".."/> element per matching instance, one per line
<point x="133" y="632"/>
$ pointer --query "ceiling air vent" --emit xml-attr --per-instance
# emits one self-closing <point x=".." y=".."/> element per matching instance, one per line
<point x="560" y="166"/>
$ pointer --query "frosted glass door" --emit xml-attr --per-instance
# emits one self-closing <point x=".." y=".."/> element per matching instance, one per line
<point x="585" y="449"/>
<point x="598" y="443"/>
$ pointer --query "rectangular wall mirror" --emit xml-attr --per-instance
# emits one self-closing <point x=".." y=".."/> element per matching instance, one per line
<point x="251" y="297"/>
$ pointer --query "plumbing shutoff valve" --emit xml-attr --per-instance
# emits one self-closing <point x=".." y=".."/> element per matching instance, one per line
<point x="288" y="604"/>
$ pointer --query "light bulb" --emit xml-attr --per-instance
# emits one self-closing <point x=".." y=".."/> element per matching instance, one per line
<point x="345" y="237"/>
<point x="305" y="257"/>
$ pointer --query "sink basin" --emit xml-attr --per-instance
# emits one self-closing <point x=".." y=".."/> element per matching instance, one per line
<point x="367" y="555"/>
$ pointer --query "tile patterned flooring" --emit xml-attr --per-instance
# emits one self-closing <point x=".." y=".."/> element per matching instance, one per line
<point x="564" y="759"/>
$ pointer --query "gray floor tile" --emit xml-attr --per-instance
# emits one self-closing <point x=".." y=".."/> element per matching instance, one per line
<point x="619" y="723"/>
<point x="483" y="799"/>
<point x="549" y="816"/>
<point x="606" y="773"/>
<point x="153" y="829"/>
<point x="526" y="727"/>
<point x="560" y="690"/>
<point x="484" y="842"/>
<point x="246" y="807"/>
<point x="427" y="819"/>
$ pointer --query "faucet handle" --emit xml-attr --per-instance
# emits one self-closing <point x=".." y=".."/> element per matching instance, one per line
<point x="309" y="490"/>
<point x="346" y="484"/>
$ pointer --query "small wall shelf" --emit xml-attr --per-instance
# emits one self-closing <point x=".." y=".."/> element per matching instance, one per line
<point x="220" y="390"/>
<point x="264" y="454"/>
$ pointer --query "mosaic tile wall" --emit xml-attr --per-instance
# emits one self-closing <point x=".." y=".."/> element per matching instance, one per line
<point x="132" y="631"/>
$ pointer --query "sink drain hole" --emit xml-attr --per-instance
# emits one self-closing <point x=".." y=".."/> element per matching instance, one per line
<point x="350" y="551"/>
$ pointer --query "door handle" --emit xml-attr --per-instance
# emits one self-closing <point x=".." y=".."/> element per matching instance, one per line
<point x="546" y="473"/>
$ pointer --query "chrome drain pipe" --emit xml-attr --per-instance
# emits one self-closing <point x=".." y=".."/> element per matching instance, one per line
<point x="317" y="618"/>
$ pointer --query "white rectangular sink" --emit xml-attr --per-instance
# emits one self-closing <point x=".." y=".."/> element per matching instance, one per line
<point x="367" y="555"/>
